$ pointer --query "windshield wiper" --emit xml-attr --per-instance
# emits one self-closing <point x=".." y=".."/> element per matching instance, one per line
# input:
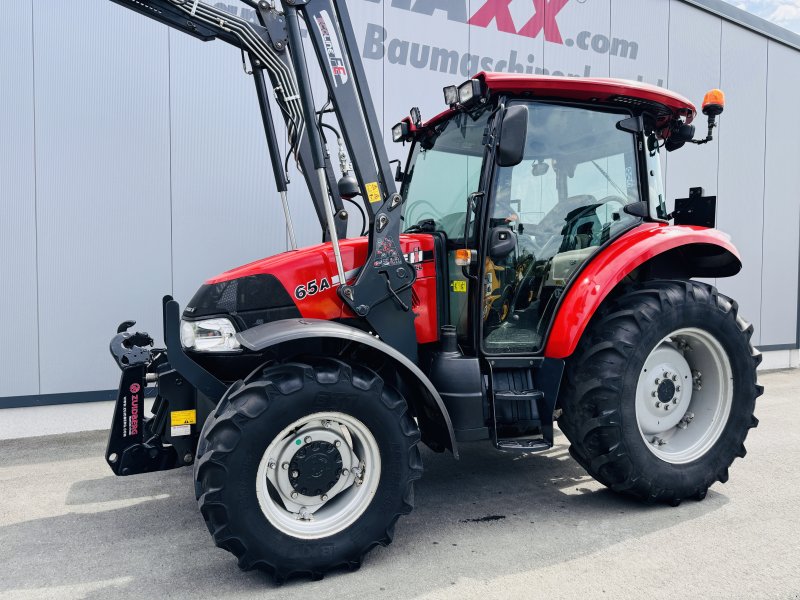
<point x="616" y="187"/>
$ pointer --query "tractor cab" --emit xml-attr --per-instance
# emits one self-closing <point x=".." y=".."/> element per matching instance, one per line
<point x="576" y="165"/>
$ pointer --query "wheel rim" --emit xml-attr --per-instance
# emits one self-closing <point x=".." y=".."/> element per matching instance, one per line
<point x="318" y="475"/>
<point x="684" y="395"/>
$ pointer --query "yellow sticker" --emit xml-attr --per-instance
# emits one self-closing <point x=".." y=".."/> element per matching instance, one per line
<point x="183" y="417"/>
<point x="374" y="192"/>
<point x="459" y="286"/>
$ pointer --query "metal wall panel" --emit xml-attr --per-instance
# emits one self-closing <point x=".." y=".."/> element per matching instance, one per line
<point x="224" y="203"/>
<point x="502" y="46"/>
<point x="417" y="65"/>
<point x="740" y="139"/>
<point x="102" y="161"/>
<point x="19" y="361"/>
<point x="584" y="29"/>
<point x="640" y="40"/>
<point x="781" y="200"/>
<point x="694" y="68"/>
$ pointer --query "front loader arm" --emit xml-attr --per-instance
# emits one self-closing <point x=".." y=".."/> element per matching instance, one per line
<point x="381" y="293"/>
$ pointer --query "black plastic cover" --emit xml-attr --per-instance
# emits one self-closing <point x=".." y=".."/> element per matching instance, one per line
<point x="255" y="300"/>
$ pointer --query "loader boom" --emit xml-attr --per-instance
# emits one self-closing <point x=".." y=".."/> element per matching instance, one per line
<point x="381" y="292"/>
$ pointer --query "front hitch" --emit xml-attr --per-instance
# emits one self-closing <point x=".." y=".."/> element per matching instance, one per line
<point x="167" y="439"/>
<point x="133" y="446"/>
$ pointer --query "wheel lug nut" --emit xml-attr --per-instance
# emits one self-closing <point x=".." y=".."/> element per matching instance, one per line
<point x="285" y="466"/>
<point x="658" y="381"/>
<point x="323" y="497"/>
<point x="307" y="439"/>
<point x="666" y="375"/>
<point x="326" y="424"/>
<point x="674" y="400"/>
<point x="653" y="394"/>
<point x="677" y="388"/>
<point x="658" y="404"/>
<point x="337" y="443"/>
<point x="294" y="474"/>
<point x="674" y="378"/>
<point x="294" y="495"/>
<point x="345" y="472"/>
<point x="666" y="407"/>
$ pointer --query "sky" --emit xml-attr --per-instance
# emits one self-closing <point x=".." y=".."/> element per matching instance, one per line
<point x="785" y="13"/>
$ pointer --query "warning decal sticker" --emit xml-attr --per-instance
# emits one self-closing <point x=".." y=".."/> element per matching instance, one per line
<point x="374" y="192"/>
<point x="180" y="430"/>
<point x="183" y="417"/>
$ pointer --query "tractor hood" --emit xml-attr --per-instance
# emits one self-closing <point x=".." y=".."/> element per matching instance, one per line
<point x="300" y="283"/>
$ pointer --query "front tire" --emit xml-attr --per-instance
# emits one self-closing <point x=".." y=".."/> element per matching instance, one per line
<point x="306" y="466"/>
<point x="659" y="396"/>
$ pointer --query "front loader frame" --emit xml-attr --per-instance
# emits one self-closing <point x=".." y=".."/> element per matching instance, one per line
<point x="381" y="292"/>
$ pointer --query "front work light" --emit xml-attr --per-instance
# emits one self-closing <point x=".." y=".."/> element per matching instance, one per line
<point x="209" y="335"/>
<point x="416" y="117"/>
<point x="400" y="132"/>
<point x="451" y="95"/>
<point x="469" y="92"/>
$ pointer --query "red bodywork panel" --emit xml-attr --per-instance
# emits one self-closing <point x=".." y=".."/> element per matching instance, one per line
<point x="309" y="275"/>
<point x="607" y="268"/>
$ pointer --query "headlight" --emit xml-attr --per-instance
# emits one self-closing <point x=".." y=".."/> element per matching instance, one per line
<point x="209" y="335"/>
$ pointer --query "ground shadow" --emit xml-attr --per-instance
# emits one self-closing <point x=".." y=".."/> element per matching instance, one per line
<point x="487" y="515"/>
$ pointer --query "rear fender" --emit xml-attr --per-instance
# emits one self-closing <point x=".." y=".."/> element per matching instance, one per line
<point x="661" y="250"/>
<point x="278" y="336"/>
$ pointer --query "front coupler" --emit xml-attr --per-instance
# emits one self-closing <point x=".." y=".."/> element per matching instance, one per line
<point x="167" y="439"/>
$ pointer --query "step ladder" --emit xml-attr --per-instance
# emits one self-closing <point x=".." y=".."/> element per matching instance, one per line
<point x="533" y="398"/>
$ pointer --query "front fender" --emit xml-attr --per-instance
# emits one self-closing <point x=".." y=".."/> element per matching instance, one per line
<point x="697" y="251"/>
<point x="276" y="333"/>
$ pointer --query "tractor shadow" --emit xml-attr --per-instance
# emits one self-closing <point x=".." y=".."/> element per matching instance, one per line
<point x="487" y="515"/>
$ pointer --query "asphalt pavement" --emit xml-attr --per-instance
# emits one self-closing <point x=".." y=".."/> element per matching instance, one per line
<point x="492" y="525"/>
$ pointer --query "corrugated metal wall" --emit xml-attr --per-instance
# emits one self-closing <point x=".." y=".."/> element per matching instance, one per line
<point x="132" y="163"/>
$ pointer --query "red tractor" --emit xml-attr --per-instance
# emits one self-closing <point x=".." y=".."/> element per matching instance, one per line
<point x="526" y="272"/>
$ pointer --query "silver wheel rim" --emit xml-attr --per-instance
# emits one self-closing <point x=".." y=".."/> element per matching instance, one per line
<point x="684" y="395"/>
<point x="315" y="516"/>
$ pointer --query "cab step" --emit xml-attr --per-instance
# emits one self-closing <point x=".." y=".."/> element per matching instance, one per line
<point x="524" y="444"/>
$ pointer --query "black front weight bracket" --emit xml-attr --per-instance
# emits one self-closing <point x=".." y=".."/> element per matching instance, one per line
<point x="137" y="444"/>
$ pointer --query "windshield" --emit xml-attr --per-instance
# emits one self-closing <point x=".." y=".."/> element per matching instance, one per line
<point x="444" y="170"/>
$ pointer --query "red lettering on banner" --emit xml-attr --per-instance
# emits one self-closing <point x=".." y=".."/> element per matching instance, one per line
<point x="545" y="18"/>
<point x="496" y="10"/>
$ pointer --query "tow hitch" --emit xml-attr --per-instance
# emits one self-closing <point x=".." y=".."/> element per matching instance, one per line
<point x="167" y="439"/>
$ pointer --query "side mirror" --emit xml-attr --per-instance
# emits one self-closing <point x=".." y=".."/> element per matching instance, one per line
<point x="501" y="243"/>
<point x="513" y="136"/>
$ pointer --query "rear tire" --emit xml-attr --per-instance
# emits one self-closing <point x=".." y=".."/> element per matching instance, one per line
<point x="632" y="425"/>
<point x="350" y="440"/>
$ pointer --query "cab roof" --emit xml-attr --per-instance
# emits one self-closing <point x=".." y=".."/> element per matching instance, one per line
<point x="664" y="104"/>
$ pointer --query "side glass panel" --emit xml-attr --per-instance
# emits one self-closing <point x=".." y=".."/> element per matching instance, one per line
<point x="443" y="171"/>
<point x="559" y="205"/>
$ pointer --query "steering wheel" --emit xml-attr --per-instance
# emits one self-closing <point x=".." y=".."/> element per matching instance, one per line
<point x="430" y="213"/>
